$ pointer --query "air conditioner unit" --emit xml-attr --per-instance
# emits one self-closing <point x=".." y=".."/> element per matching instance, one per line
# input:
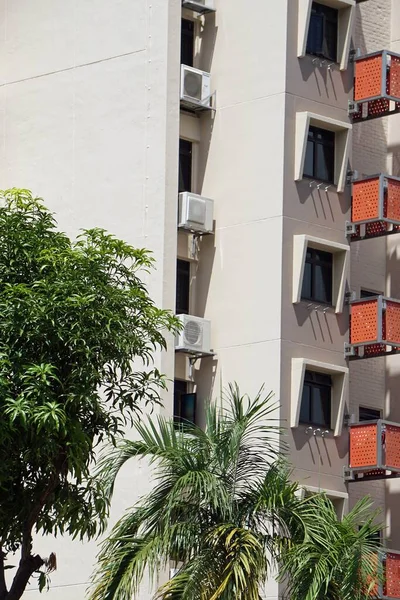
<point x="195" y="213"/>
<point x="195" y="88"/>
<point x="195" y="337"/>
<point x="200" y="6"/>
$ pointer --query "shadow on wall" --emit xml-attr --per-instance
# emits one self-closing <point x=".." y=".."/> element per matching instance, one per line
<point x="392" y="501"/>
<point x="208" y="39"/>
<point x="368" y="158"/>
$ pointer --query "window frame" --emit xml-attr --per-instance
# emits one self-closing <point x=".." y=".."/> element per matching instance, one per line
<point x="325" y="13"/>
<point x="315" y="262"/>
<point x="329" y="141"/>
<point x="333" y="495"/>
<point x="311" y="380"/>
<point x="339" y="395"/>
<point x="346" y="18"/>
<point x="343" y="139"/>
<point x="188" y="274"/>
<point x="341" y="267"/>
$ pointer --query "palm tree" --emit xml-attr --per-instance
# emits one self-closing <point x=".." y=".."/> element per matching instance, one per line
<point x="336" y="559"/>
<point x="224" y="511"/>
<point x="221" y="509"/>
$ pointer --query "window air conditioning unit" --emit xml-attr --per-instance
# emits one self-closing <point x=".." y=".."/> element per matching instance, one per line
<point x="200" y="6"/>
<point x="195" y="213"/>
<point x="195" y="88"/>
<point x="195" y="337"/>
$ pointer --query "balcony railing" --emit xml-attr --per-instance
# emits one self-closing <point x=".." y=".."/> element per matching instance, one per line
<point x="376" y="85"/>
<point x="375" y="208"/>
<point x="374" y="327"/>
<point x="389" y="564"/>
<point x="374" y="451"/>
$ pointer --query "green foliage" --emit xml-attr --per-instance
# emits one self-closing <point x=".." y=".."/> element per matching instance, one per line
<point x="225" y="512"/>
<point x="222" y="506"/>
<point x="334" y="560"/>
<point x="73" y="318"/>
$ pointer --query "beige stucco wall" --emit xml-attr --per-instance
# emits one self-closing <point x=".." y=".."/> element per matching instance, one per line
<point x="89" y="120"/>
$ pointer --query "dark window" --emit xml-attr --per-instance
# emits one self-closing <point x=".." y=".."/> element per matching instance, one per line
<point x="319" y="162"/>
<point x="368" y="414"/>
<point x="182" y="287"/>
<point x="317" y="280"/>
<point x="316" y="400"/>
<point x="187" y="42"/>
<point x="184" y="403"/>
<point x="323" y="31"/>
<point x="368" y="294"/>
<point x="185" y="166"/>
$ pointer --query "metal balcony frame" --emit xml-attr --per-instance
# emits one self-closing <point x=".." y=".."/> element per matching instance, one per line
<point x="351" y="227"/>
<point x="357" y="105"/>
<point x="382" y="556"/>
<point x="351" y="474"/>
<point x="349" y="348"/>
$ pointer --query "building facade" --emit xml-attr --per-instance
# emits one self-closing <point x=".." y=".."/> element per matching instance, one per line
<point x="260" y="125"/>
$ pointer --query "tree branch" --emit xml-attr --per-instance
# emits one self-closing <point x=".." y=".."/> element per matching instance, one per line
<point x="26" y="568"/>
<point x="3" y="587"/>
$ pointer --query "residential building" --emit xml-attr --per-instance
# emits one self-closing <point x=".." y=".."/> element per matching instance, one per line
<point x="258" y="123"/>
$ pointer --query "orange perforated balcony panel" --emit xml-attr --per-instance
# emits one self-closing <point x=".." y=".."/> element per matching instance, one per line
<point x="392" y="322"/>
<point x="392" y="446"/>
<point x="364" y="322"/>
<point x="365" y="202"/>
<point x="392" y="587"/>
<point x="363" y="445"/>
<point x="368" y="78"/>
<point x="393" y="199"/>
<point x="394" y="76"/>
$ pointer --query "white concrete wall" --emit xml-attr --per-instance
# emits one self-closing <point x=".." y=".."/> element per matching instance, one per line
<point x="89" y="120"/>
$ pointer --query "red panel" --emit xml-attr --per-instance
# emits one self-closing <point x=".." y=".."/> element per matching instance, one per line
<point x="392" y="322"/>
<point x="392" y="575"/>
<point x="368" y="78"/>
<point x="392" y="446"/>
<point x="363" y="445"/>
<point x="364" y="322"/>
<point x="365" y="202"/>
<point x="394" y="77"/>
<point x="393" y="200"/>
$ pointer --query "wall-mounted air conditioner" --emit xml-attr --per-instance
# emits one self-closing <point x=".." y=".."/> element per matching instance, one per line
<point x="195" y="213"/>
<point x="200" y="6"/>
<point x="195" y="88"/>
<point x="195" y="337"/>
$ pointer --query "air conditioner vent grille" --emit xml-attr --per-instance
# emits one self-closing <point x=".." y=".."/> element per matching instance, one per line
<point x="193" y="84"/>
<point x="193" y="333"/>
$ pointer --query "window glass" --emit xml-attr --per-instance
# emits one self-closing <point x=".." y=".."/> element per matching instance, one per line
<point x="309" y="159"/>
<point x="317" y="278"/>
<point x="323" y="31"/>
<point x="185" y="166"/>
<point x="184" y="403"/>
<point x="187" y="42"/>
<point x="368" y="414"/>
<point x="319" y="160"/>
<point x="316" y="399"/>
<point x="368" y="294"/>
<point x="322" y="283"/>
<point x="182" y="287"/>
<point x="324" y="162"/>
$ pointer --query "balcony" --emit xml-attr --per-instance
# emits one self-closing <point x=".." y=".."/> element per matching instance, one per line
<point x="374" y="328"/>
<point x="374" y="451"/>
<point x="376" y="86"/>
<point x="375" y="207"/>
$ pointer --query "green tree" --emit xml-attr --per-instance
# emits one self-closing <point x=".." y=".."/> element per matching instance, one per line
<point x="73" y="318"/>
<point x="224" y="511"/>
<point x="221" y="509"/>
<point x="336" y="559"/>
